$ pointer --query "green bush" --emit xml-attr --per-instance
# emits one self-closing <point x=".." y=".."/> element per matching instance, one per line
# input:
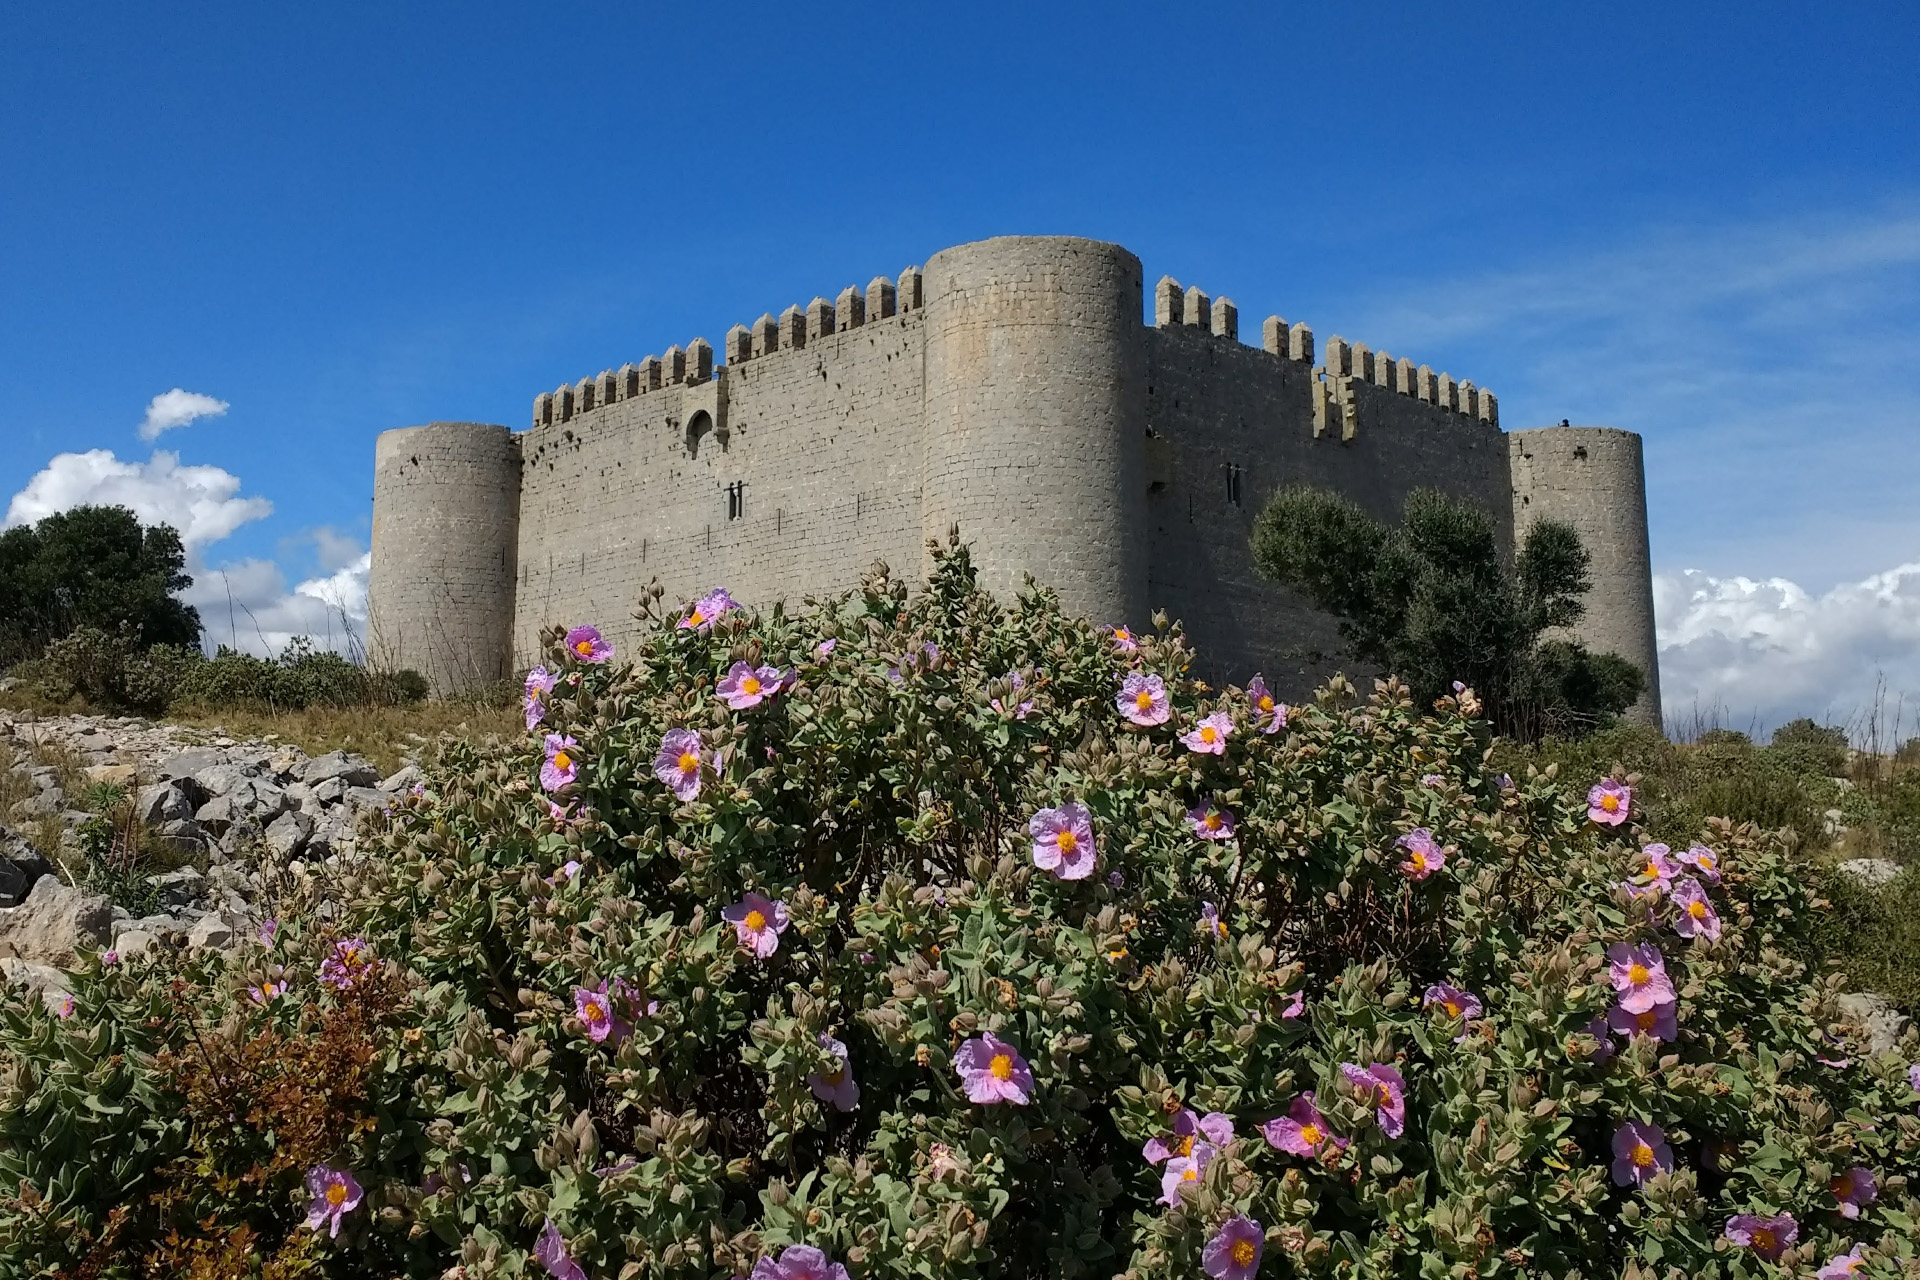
<point x="539" y="1024"/>
<point x="300" y="677"/>
<point x="95" y="567"/>
<point x="111" y="670"/>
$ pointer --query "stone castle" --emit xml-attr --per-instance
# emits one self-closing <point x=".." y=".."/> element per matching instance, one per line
<point x="1013" y="389"/>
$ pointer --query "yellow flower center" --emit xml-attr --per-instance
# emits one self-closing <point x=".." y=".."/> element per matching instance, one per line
<point x="696" y="617"/>
<point x="1638" y="974"/>
<point x="1212" y="821"/>
<point x="1381" y="1097"/>
<point x="1242" y="1253"/>
<point x="1452" y="1007"/>
<point x="688" y="762"/>
<point x="1610" y="802"/>
<point x="1190" y="1174"/>
<point x="1266" y="702"/>
<point x="1644" y="1020"/>
<point x="561" y="760"/>
<point x="1311" y="1134"/>
<point x="1642" y="1155"/>
<point x="1121" y="633"/>
<point x="593" y="1011"/>
<point x="1001" y="1067"/>
<point x="1839" y="1187"/>
<point x="1653" y="869"/>
<point x="336" y="1194"/>
<point x="1209" y="734"/>
<point x="583" y="647"/>
<point x="1417" y="860"/>
<point x="1763" y="1239"/>
<point x="750" y="685"/>
<point x="1067" y="842"/>
<point x="1220" y="927"/>
<point x="834" y="1076"/>
<point x="1118" y="953"/>
<point x="756" y="921"/>
<point x="1184" y="1147"/>
<point x="1697" y="909"/>
<point x="1143" y="700"/>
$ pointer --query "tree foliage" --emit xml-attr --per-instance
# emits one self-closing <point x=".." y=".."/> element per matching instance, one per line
<point x="538" y="1020"/>
<point x="95" y="567"/>
<point x="1433" y="601"/>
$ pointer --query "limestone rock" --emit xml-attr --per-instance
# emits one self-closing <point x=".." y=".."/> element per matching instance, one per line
<point x="54" y="923"/>
<point x="1883" y="1023"/>
<point x="288" y="833"/>
<point x="180" y="887"/>
<point x="351" y="770"/>
<point x="162" y="802"/>
<point x="1871" y="872"/>
<point x="42" y="980"/>
<point x="118" y="775"/>
<point x="210" y="932"/>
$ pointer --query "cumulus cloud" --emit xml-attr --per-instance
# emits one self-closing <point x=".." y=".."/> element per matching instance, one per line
<point x="1754" y="653"/>
<point x="202" y="502"/>
<point x="247" y="605"/>
<point x="176" y="408"/>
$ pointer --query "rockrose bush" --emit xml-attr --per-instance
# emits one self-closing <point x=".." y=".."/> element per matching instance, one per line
<point x="948" y="938"/>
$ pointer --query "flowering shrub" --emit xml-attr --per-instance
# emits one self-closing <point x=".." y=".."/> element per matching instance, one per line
<point x="953" y="946"/>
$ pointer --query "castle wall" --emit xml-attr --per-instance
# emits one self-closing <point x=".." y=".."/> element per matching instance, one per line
<point x="1220" y="405"/>
<point x="1594" y="479"/>
<point x="825" y="438"/>
<point x="446" y="501"/>
<point x="1036" y="416"/>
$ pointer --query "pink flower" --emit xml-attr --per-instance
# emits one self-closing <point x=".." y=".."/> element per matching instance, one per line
<point x="1432" y="780"/>
<point x="759" y="922"/>
<point x="1123" y="641"/>
<point x="1383" y="1084"/>
<point x="349" y="962"/>
<point x="550" y="1251"/>
<point x="335" y="1193"/>
<point x="1303" y="1130"/>
<point x="744" y="686"/>
<point x="1189" y="1127"/>
<point x="679" y="762"/>
<point x="1210" y="922"/>
<point x="1182" y="1170"/>
<point x="799" y="1262"/>
<point x="1841" y="1266"/>
<point x="1639" y="1152"/>
<point x="1424" y="857"/>
<point x="585" y="645"/>
<point x="836" y="1084"/>
<point x="1854" y="1189"/>
<point x="1598" y="1030"/>
<point x="940" y="1161"/>
<point x="706" y="609"/>
<point x="1768" y="1237"/>
<point x="1210" y="822"/>
<point x="1659" y="865"/>
<point x="1234" y="1252"/>
<point x="992" y="1071"/>
<point x="1143" y="699"/>
<point x="594" y="1007"/>
<point x="826" y="647"/>
<point x="64" y="1009"/>
<point x="1209" y="737"/>
<point x="1455" y="1003"/>
<point x="268" y="991"/>
<point x="1659" y="1022"/>
<point x="1697" y="918"/>
<point x="562" y="767"/>
<point x="1608" y="802"/>
<point x="1296" y="1006"/>
<point x="1269" y="715"/>
<point x="1063" y="841"/>
<point x="1913" y="1077"/>
<point x="1703" y="860"/>
<point x="540" y="683"/>
<point x="268" y="928"/>
<point x="1639" y="976"/>
<point x="109" y="958"/>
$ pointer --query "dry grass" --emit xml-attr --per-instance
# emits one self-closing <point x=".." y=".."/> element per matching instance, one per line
<point x="385" y="735"/>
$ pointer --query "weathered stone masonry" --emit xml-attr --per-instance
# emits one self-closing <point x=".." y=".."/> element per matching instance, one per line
<point x="1012" y="389"/>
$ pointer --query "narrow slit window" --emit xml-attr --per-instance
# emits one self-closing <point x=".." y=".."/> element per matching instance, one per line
<point x="736" y="499"/>
<point x="1233" y="483"/>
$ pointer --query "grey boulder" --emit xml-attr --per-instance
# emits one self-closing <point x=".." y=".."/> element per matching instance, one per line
<point x="54" y="924"/>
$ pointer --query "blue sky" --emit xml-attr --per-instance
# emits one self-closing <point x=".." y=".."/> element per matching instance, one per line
<point x="1700" y="222"/>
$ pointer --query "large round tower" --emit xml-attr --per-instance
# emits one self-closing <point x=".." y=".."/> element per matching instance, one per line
<point x="446" y="514"/>
<point x="1036" y="417"/>
<point x="1593" y="478"/>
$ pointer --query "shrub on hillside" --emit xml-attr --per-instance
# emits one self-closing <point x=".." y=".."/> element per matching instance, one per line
<point x="954" y="939"/>
<point x="300" y="677"/>
<point x="110" y="669"/>
<point x="95" y="567"/>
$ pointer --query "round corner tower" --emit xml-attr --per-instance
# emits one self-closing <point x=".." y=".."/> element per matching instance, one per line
<point x="1036" y="417"/>
<point x="1594" y="479"/>
<point x="446" y="514"/>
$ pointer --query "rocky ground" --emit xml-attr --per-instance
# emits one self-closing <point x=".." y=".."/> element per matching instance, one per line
<point x="241" y="826"/>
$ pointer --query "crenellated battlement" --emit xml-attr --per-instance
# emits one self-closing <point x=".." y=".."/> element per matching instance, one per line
<point x="795" y="328"/>
<point x="1345" y="362"/>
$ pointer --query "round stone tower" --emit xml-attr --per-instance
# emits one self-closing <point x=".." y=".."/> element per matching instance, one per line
<point x="1036" y="417"/>
<point x="446" y="516"/>
<point x="1593" y="479"/>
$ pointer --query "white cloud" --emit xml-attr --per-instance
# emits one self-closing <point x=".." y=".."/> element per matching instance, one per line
<point x="176" y="408"/>
<point x="1752" y="654"/>
<point x="335" y="550"/>
<point x="201" y="502"/>
<point x="246" y="605"/>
